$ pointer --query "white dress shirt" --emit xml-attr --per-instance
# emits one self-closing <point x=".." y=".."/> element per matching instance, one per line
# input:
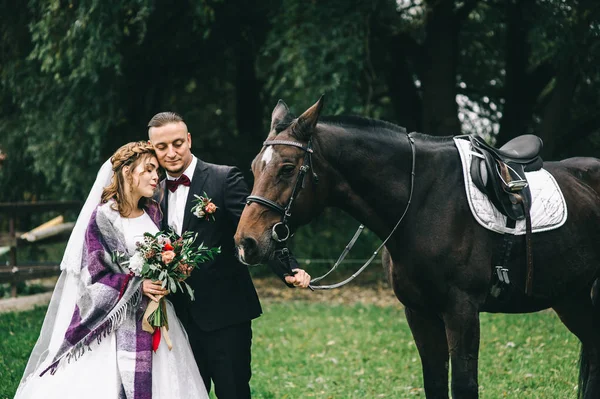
<point x="178" y="198"/>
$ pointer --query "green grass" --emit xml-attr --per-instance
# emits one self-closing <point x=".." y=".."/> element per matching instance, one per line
<point x="19" y="333"/>
<point x="316" y="350"/>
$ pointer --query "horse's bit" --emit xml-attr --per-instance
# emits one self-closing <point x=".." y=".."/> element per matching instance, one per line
<point x="286" y="212"/>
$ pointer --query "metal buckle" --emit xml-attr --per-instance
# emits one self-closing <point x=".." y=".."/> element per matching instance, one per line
<point x="517" y="185"/>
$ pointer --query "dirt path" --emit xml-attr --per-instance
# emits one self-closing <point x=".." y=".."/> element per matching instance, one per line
<point x="26" y="302"/>
<point x="377" y="293"/>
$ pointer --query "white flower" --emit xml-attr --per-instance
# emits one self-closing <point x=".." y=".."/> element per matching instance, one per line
<point x="136" y="263"/>
<point x="163" y="240"/>
<point x="199" y="212"/>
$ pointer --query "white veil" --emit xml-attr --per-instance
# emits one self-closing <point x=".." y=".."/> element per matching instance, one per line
<point x="62" y="304"/>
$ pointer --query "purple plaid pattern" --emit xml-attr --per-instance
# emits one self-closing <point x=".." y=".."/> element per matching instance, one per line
<point x="99" y="311"/>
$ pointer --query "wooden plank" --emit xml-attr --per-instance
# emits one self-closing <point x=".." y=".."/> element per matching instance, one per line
<point x="52" y="222"/>
<point x="23" y="273"/>
<point x="41" y="234"/>
<point x="55" y="234"/>
<point x="20" y="208"/>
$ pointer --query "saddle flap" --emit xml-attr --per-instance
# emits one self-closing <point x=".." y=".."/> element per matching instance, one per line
<point x="548" y="207"/>
<point x="505" y="184"/>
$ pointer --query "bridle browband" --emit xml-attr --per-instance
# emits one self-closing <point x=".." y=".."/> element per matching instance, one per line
<point x="286" y="213"/>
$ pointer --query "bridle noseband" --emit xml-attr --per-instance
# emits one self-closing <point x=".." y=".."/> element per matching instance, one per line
<point x="281" y="230"/>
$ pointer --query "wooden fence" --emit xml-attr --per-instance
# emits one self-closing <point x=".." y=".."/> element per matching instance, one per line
<point x="13" y="273"/>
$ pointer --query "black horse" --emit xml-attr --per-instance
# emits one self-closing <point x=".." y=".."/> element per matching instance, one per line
<point x="439" y="258"/>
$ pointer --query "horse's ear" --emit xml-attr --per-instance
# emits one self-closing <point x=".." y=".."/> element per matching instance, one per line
<point x="280" y="113"/>
<point x="305" y="124"/>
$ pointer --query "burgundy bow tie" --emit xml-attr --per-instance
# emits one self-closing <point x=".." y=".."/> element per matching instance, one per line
<point x="173" y="184"/>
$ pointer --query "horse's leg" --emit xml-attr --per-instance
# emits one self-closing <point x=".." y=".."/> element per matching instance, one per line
<point x="462" y="332"/>
<point x="430" y="337"/>
<point x="583" y="320"/>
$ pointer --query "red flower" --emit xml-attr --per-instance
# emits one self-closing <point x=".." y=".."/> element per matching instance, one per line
<point x="168" y="247"/>
<point x="155" y="339"/>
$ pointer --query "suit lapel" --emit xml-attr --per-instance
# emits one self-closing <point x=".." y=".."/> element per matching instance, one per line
<point x="198" y="180"/>
<point x="164" y="205"/>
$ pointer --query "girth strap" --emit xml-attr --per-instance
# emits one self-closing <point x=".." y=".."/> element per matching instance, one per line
<point x="528" y="250"/>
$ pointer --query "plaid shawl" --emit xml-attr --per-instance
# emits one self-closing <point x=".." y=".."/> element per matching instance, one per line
<point x="110" y="301"/>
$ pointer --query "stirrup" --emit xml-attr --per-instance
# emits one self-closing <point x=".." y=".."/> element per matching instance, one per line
<point x="517" y="185"/>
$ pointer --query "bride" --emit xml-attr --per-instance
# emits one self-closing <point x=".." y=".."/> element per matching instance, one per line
<point x="92" y="344"/>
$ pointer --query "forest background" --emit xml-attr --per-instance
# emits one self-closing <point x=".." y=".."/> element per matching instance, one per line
<point x="78" y="78"/>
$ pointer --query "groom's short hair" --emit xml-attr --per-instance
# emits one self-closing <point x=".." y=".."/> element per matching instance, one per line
<point x="164" y="118"/>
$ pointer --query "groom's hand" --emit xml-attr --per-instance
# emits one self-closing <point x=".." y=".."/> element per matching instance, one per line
<point x="300" y="279"/>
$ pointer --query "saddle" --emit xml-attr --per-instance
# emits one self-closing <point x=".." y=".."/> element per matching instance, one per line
<point x="500" y="174"/>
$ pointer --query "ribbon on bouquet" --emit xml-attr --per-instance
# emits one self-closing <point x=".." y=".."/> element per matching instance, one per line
<point x="162" y="329"/>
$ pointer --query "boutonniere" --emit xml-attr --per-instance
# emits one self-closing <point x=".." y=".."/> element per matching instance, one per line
<point x="204" y="207"/>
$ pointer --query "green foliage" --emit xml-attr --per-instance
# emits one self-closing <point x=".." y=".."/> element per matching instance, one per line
<point x="76" y="47"/>
<point x="321" y="234"/>
<point x="317" y="48"/>
<point x="67" y="101"/>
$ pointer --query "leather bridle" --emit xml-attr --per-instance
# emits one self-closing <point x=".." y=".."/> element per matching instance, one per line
<point x="281" y="230"/>
<point x="286" y="213"/>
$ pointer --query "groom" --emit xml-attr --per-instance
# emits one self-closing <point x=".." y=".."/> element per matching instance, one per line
<point x="218" y="322"/>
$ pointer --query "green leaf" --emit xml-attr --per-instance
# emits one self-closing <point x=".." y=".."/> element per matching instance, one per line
<point x="189" y="290"/>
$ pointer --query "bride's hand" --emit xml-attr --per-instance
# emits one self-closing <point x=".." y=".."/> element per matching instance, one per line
<point x="153" y="289"/>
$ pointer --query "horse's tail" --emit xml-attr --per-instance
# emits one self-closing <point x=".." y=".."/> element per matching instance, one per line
<point x="584" y="355"/>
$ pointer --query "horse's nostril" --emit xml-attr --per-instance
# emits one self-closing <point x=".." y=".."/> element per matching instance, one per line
<point x="250" y="245"/>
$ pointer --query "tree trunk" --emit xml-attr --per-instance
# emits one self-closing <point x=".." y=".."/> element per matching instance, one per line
<point x="519" y="100"/>
<point x="406" y="103"/>
<point x="249" y="108"/>
<point x="440" y="111"/>
<point x="556" y="113"/>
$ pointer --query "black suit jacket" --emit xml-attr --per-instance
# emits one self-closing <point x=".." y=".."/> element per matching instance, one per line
<point x="223" y="288"/>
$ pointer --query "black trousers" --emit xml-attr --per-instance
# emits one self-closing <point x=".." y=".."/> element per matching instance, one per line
<point x="223" y="357"/>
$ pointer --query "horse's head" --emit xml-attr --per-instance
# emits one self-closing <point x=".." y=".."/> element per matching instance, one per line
<point x="284" y="194"/>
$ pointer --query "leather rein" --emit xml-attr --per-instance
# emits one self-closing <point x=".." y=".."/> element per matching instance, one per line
<point x="281" y="230"/>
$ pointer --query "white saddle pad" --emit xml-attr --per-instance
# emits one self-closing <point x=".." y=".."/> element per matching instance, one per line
<point x="548" y="208"/>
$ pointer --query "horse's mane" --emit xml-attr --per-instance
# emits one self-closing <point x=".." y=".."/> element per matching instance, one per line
<point x="353" y="121"/>
<point x="347" y="121"/>
<point x="360" y="122"/>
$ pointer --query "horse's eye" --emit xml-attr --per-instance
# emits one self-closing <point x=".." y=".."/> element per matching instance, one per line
<point x="287" y="170"/>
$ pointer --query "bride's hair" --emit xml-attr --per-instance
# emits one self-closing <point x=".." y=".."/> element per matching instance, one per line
<point x="130" y="154"/>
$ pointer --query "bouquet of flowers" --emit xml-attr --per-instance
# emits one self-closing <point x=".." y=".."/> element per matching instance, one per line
<point x="168" y="258"/>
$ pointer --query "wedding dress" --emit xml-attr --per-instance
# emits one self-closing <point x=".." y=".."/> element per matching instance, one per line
<point x="94" y="373"/>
